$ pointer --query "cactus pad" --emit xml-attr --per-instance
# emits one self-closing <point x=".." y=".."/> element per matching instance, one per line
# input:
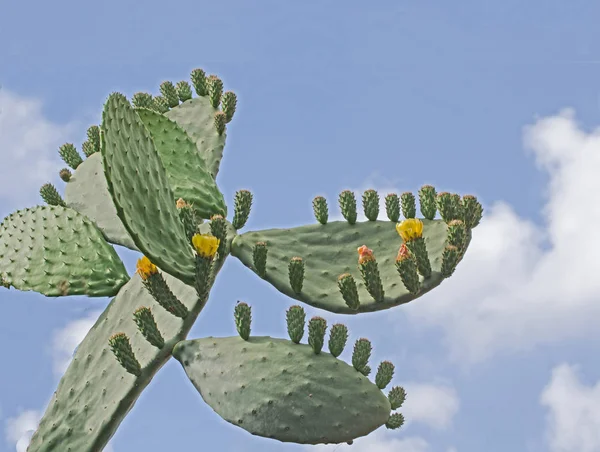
<point x="138" y="183"/>
<point x="56" y="251"/>
<point x="87" y="193"/>
<point x="186" y="170"/>
<point x="330" y="250"/>
<point x="281" y="390"/>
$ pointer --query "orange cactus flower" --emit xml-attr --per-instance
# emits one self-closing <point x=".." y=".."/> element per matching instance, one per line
<point x="365" y="254"/>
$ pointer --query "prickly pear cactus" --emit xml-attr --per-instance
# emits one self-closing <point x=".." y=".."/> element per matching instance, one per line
<point x="146" y="180"/>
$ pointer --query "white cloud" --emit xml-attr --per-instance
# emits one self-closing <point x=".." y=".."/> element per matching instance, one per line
<point x="430" y="404"/>
<point x="66" y="340"/>
<point x="20" y="429"/>
<point x="521" y="284"/>
<point x="29" y="145"/>
<point x="574" y="412"/>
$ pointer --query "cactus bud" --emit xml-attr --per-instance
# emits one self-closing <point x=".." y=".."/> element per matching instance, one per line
<point x="397" y="396"/>
<point x="347" y="202"/>
<point x="316" y="333"/>
<point x="338" y="335"/>
<point x="198" y="77"/>
<point x="450" y="258"/>
<point x="392" y="207"/>
<point x="215" y="90"/>
<point x="50" y="195"/>
<point x="243" y="319"/>
<point x="418" y="249"/>
<point x="407" y="269"/>
<point x="370" y="273"/>
<point x="169" y="92"/>
<point x="427" y="200"/>
<point x="242" y="204"/>
<point x="228" y="104"/>
<point x="142" y="100"/>
<point x="409" y="207"/>
<point x="220" y="122"/>
<point x="184" y="90"/>
<point x="70" y="155"/>
<point x="144" y="319"/>
<point x="457" y="234"/>
<point x="472" y="211"/>
<point x="65" y="174"/>
<point x="218" y="228"/>
<point x="156" y="285"/>
<point x="259" y="258"/>
<point x="121" y="347"/>
<point x="370" y="201"/>
<point x="396" y="420"/>
<point x="445" y="205"/>
<point x="160" y="104"/>
<point x="296" y="319"/>
<point x="361" y="354"/>
<point x="87" y="148"/>
<point x="349" y="291"/>
<point x="187" y="215"/>
<point x="93" y="137"/>
<point x="320" y="209"/>
<point x="385" y="372"/>
<point x="296" y="273"/>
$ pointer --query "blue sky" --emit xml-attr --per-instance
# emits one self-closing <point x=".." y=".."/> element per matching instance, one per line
<point x="498" y="99"/>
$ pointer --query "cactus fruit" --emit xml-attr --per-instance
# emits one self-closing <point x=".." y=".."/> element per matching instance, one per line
<point x="316" y="333"/>
<point x="361" y="355"/>
<point x="472" y="211"/>
<point x="215" y="90"/>
<point x="296" y="273"/>
<point x="65" y="174"/>
<point x="228" y="104"/>
<point x="409" y="207"/>
<point x="397" y="396"/>
<point x="184" y="90"/>
<point x="296" y="320"/>
<point x="385" y="373"/>
<point x="370" y="201"/>
<point x="320" y="209"/>
<point x="450" y="258"/>
<point x="392" y="207"/>
<point x="243" y="319"/>
<point x="338" y="335"/>
<point x="347" y="202"/>
<point x="370" y="273"/>
<point x="121" y="347"/>
<point x="428" y="201"/>
<point x="50" y="195"/>
<point x="218" y="228"/>
<point x="144" y="319"/>
<point x="220" y="122"/>
<point x="349" y="291"/>
<point x="259" y="258"/>
<point x="198" y="77"/>
<point x="407" y="269"/>
<point x="241" y="206"/>
<point x="395" y="421"/>
<point x="70" y="155"/>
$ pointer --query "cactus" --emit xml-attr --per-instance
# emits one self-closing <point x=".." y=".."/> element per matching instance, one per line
<point x="148" y="182"/>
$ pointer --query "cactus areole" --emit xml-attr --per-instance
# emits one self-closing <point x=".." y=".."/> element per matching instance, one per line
<point x="145" y="178"/>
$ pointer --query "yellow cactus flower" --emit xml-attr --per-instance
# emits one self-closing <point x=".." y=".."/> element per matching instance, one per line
<point x="181" y="203"/>
<point x="365" y="254"/>
<point x="410" y="229"/>
<point x="206" y="245"/>
<point x="145" y="268"/>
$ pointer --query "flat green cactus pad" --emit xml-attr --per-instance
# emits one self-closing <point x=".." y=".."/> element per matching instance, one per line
<point x="139" y="186"/>
<point x="330" y="250"/>
<point x="57" y="251"/>
<point x="96" y="393"/>
<point x="185" y="168"/>
<point x="87" y="193"/>
<point x="197" y="117"/>
<point x="277" y="389"/>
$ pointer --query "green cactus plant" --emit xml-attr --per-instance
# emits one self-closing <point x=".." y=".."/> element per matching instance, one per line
<point x="148" y="182"/>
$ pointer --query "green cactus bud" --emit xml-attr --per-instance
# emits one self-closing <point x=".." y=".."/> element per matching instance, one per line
<point x="156" y="285"/>
<point x="242" y="204"/>
<point x="409" y="206"/>
<point x="385" y="372"/>
<point x="169" y="92"/>
<point x="370" y="274"/>
<point x="316" y="333"/>
<point x="203" y="280"/>
<point x="65" y="174"/>
<point x="187" y="215"/>
<point x="215" y="90"/>
<point x="427" y="200"/>
<point x="199" y="81"/>
<point x="218" y="228"/>
<point x="87" y="148"/>
<point x="142" y="100"/>
<point x="407" y="269"/>
<point x="296" y="273"/>
<point x="93" y="137"/>
<point x="392" y="207"/>
<point x="397" y="396"/>
<point x="184" y="90"/>
<point x="144" y="319"/>
<point x="51" y="196"/>
<point x="418" y="249"/>
<point x="228" y="104"/>
<point x="349" y="291"/>
<point x="320" y="209"/>
<point x="160" y="104"/>
<point x="259" y="258"/>
<point x="121" y="347"/>
<point x="220" y="122"/>
<point x="296" y="319"/>
<point x="395" y="421"/>
<point x="450" y="207"/>
<point x="457" y="234"/>
<point x="450" y="258"/>
<point x="70" y="155"/>
<point x="338" y="335"/>
<point x="347" y="202"/>
<point x="361" y="354"/>
<point x="370" y="201"/>
<point x="472" y="211"/>
<point x="243" y="319"/>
